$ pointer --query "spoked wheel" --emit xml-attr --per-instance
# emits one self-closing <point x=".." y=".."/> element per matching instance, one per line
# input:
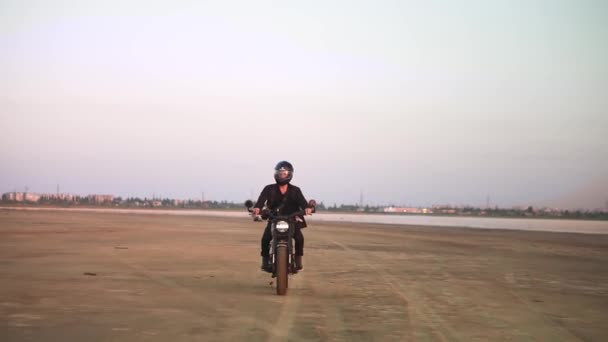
<point x="282" y="270"/>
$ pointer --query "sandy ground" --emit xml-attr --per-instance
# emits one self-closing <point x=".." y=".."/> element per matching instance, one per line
<point x="136" y="277"/>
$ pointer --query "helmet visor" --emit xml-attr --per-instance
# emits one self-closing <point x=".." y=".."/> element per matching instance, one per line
<point x="282" y="173"/>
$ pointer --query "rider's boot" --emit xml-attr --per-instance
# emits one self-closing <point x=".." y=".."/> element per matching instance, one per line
<point x="299" y="265"/>
<point x="265" y="264"/>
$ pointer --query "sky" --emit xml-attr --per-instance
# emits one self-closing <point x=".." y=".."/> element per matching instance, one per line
<point x="389" y="102"/>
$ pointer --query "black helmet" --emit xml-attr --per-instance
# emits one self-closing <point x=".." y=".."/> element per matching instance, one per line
<point x="283" y="166"/>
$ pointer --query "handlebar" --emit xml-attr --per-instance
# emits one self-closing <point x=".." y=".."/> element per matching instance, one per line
<point x="269" y="214"/>
<point x="273" y="216"/>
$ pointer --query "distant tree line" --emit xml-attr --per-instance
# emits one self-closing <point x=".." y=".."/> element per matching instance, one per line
<point x="138" y="202"/>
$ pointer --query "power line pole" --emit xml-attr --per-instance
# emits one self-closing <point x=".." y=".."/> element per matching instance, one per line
<point x="361" y="199"/>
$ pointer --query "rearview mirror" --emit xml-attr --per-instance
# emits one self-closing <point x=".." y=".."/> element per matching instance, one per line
<point x="248" y="204"/>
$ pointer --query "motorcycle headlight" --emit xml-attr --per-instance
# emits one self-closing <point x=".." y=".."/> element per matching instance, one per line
<point x="282" y="226"/>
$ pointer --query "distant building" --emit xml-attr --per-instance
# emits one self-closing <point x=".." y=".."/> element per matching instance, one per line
<point x="31" y="197"/>
<point x="13" y="196"/>
<point x="59" y="197"/>
<point x="21" y="197"/>
<point x="100" y="199"/>
<point x="408" y="210"/>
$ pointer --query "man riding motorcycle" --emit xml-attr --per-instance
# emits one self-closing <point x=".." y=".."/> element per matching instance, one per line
<point x="286" y="199"/>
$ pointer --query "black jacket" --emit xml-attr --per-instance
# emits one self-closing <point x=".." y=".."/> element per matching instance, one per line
<point x="292" y="201"/>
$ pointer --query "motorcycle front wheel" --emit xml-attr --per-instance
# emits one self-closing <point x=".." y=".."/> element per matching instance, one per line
<point x="282" y="270"/>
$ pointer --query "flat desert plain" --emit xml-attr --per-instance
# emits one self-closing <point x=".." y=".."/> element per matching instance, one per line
<point x="74" y="276"/>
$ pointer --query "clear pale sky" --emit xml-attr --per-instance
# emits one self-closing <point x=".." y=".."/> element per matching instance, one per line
<point x="407" y="102"/>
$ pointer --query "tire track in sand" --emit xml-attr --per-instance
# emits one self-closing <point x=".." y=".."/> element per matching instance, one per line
<point x="168" y="284"/>
<point x="441" y="331"/>
<point x="290" y="303"/>
<point x="302" y="291"/>
<point x="331" y="326"/>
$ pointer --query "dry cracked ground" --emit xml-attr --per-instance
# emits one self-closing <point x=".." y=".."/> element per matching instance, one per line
<point x="69" y="276"/>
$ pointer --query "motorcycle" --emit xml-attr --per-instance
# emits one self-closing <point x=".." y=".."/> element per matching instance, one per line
<point x="282" y="258"/>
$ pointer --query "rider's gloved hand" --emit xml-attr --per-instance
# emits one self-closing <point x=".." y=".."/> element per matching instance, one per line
<point x="256" y="212"/>
<point x="308" y="211"/>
